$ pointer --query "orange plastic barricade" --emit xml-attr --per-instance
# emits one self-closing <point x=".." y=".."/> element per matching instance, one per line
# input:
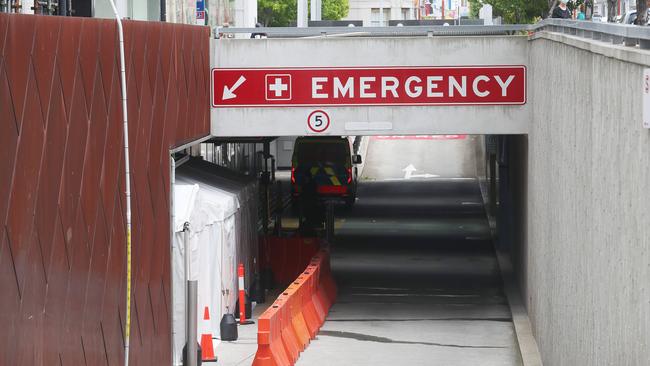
<point x="289" y="338"/>
<point x="293" y="320"/>
<point x="308" y="309"/>
<point x="297" y="319"/>
<point x="287" y="257"/>
<point x="319" y="304"/>
<point x="270" y="348"/>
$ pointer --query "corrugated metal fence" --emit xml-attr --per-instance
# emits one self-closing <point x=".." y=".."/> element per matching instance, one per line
<point x="62" y="244"/>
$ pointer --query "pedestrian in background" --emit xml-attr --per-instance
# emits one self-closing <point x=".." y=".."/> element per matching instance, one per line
<point x="561" y="11"/>
<point x="258" y="35"/>
<point x="581" y="12"/>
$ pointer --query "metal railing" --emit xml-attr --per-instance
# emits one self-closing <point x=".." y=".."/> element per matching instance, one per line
<point x="404" y="31"/>
<point x="629" y="35"/>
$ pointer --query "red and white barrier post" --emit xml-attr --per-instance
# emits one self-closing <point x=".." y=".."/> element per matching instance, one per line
<point x="242" y="295"/>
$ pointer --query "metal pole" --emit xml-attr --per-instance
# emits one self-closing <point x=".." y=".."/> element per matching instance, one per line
<point x="163" y="10"/>
<point x="127" y="178"/>
<point x="190" y="326"/>
<point x="493" y="184"/>
<point x="63" y="7"/>
<point x="329" y="221"/>
<point x="266" y="181"/>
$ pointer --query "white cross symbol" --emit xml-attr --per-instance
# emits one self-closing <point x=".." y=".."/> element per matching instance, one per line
<point x="278" y="87"/>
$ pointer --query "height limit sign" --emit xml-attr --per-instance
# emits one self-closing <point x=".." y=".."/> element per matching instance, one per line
<point x="318" y="121"/>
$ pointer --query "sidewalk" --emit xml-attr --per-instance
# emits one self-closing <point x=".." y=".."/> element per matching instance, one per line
<point x="242" y="351"/>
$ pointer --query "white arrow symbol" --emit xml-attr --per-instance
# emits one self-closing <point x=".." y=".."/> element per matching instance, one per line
<point x="228" y="92"/>
<point x="408" y="171"/>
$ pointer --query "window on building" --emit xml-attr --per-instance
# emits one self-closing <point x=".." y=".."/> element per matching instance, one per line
<point x="379" y="17"/>
<point x="406" y="13"/>
<point x="374" y="17"/>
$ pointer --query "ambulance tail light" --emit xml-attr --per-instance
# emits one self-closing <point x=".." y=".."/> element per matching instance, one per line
<point x="349" y="175"/>
<point x="332" y="190"/>
<point x="293" y="174"/>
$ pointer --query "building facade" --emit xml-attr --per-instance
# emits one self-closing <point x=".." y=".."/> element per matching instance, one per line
<point x="622" y="7"/>
<point x="241" y="13"/>
<point x="377" y="13"/>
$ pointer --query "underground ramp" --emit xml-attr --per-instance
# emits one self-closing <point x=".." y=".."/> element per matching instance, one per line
<point x="418" y="281"/>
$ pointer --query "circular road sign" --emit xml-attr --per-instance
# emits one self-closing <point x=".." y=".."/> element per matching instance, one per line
<point x="318" y="121"/>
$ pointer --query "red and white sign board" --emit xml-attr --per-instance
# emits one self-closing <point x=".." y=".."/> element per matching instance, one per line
<point x="451" y="85"/>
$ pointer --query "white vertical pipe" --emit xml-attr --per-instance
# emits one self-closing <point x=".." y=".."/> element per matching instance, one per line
<point x="127" y="177"/>
<point x="191" y="300"/>
<point x="172" y="220"/>
<point x="316" y="9"/>
<point x="302" y="13"/>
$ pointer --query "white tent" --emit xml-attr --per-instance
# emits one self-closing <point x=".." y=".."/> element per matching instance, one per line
<point x="221" y="209"/>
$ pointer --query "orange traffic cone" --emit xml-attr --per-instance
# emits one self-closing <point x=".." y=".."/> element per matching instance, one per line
<point x="207" y="348"/>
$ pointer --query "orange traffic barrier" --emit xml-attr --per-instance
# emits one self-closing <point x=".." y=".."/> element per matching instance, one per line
<point x="297" y="319"/>
<point x="293" y="320"/>
<point x="308" y="309"/>
<point x="287" y="256"/>
<point x="207" y="347"/>
<point x="270" y="348"/>
<point x="316" y="297"/>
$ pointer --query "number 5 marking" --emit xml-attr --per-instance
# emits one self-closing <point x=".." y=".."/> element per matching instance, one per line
<point x="318" y="121"/>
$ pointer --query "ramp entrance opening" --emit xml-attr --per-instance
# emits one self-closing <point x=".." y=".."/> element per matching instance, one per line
<point x="416" y="254"/>
<point x="415" y="257"/>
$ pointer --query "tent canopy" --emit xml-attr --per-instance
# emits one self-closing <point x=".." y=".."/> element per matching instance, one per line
<point x="221" y="209"/>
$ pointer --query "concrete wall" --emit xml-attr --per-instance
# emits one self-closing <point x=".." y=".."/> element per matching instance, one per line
<point x="585" y="266"/>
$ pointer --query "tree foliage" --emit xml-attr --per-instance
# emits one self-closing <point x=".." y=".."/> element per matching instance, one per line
<point x="276" y="13"/>
<point x="335" y="9"/>
<point x="513" y="11"/>
<point x="281" y="13"/>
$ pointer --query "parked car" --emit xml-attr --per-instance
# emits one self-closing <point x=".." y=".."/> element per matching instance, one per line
<point x="325" y="164"/>
<point x="630" y="17"/>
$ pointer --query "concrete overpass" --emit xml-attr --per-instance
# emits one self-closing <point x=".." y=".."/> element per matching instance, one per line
<point x="326" y="54"/>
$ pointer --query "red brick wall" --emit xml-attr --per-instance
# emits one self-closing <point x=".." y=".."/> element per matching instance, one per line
<point x="62" y="239"/>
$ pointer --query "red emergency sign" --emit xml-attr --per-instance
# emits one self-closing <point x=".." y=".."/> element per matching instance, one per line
<point x="452" y="85"/>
